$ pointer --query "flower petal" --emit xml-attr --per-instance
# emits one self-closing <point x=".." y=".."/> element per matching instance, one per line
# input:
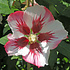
<point x="28" y="18"/>
<point x="55" y="27"/>
<point x="40" y="14"/>
<point x="18" y="24"/>
<point x="60" y="35"/>
<point x="48" y="15"/>
<point x="45" y="36"/>
<point x="41" y="10"/>
<point x="38" y="58"/>
<point x="23" y="28"/>
<point x="35" y="47"/>
<point x="11" y="49"/>
<point x="53" y="44"/>
<point x="37" y="24"/>
<point x="21" y="42"/>
<point x="12" y="22"/>
<point x="24" y="51"/>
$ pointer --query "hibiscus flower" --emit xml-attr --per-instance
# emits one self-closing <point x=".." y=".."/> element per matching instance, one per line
<point x="35" y="33"/>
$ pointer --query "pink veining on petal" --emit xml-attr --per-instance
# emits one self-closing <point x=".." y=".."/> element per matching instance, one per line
<point x="10" y="50"/>
<point x="36" y="59"/>
<point x="48" y="15"/>
<point x="33" y="56"/>
<point x="32" y="59"/>
<point x="22" y="27"/>
<point x="35" y="47"/>
<point x="37" y="24"/>
<point x="21" y="42"/>
<point x="45" y="36"/>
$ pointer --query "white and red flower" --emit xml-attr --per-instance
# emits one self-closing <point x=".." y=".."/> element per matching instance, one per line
<point x="35" y="32"/>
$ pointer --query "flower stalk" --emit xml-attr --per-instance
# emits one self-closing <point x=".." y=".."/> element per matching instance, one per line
<point x="27" y="3"/>
<point x="28" y="66"/>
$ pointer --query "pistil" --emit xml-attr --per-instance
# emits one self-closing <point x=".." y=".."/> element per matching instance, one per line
<point x="32" y="38"/>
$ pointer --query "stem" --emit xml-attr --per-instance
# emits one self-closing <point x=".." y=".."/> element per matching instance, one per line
<point x="16" y="67"/>
<point x="28" y="66"/>
<point x="27" y="3"/>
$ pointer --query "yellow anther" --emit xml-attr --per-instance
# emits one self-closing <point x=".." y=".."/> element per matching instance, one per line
<point x="32" y="38"/>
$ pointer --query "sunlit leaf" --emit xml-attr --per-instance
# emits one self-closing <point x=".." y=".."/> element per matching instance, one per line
<point x="3" y="40"/>
<point x="6" y="28"/>
<point x="22" y="1"/>
<point x="65" y="59"/>
<point x="4" y="8"/>
<point x="14" y="57"/>
<point x="18" y="62"/>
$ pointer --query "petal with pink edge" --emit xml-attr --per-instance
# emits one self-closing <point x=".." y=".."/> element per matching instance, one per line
<point x="41" y="10"/>
<point x="11" y="49"/>
<point x="12" y="22"/>
<point x="53" y="44"/>
<point x="17" y="23"/>
<point x="37" y="58"/>
<point x="56" y="28"/>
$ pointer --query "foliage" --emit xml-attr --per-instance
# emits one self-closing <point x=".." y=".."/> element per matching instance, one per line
<point x="59" y="58"/>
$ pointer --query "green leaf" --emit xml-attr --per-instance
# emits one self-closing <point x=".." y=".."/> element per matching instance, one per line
<point x="22" y="1"/>
<point x="14" y="57"/>
<point x="64" y="48"/>
<point x="53" y="10"/>
<point x="68" y="39"/>
<point x="31" y="68"/>
<point x="10" y="2"/>
<point x="4" y="8"/>
<point x="52" y="58"/>
<point x="0" y="18"/>
<point x="17" y="4"/>
<point x="68" y="36"/>
<point x="6" y="28"/>
<point x="65" y="59"/>
<point x="18" y="62"/>
<point x="3" y="40"/>
<point x="2" y="52"/>
<point x="42" y="2"/>
<point x="63" y="10"/>
<point x="3" y="1"/>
